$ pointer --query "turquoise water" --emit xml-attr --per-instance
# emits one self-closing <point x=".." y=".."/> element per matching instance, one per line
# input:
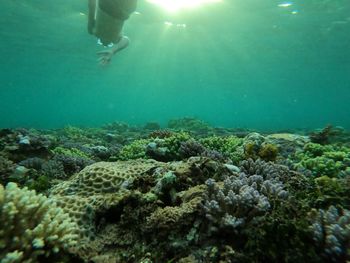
<point x="248" y="63"/>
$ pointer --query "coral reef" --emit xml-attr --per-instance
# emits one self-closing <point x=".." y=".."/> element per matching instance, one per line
<point x="323" y="136"/>
<point x="32" y="226"/>
<point x="152" y="126"/>
<point x="287" y="143"/>
<point x="189" y="193"/>
<point x="190" y="124"/>
<point x="161" y="134"/>
<point x="151" y="194"/>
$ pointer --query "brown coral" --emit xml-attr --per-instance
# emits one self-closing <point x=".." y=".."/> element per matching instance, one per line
<point x="171" y="217"/>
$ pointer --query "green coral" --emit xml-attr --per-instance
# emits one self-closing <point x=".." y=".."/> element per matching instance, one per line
<point x="71" y="152"/>
<point x="315" y="149"/>
<point x="73" y="132"/>
<point x="171" y="145"/>
<point x="82" y="135"/>
<point x="230" y="146"/>
<point x="134" y="150"/>
<point x="189" y="124"/>
<point x="328" y="160"/>
<point x="32" y="226"/>
<point x="40" y="184"/>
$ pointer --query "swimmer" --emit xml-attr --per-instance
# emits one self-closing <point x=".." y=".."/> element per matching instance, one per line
<point x="105" y="21"/>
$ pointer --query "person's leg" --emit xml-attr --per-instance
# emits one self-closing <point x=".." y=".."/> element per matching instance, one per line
<point x="91" y="16"/>
<point x="107" y="27"/>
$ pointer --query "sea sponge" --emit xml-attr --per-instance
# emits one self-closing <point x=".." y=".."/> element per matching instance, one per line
<point x="32" y="226"/>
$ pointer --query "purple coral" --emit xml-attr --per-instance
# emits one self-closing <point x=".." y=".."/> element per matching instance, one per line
<point x="191" y="148"/>
<point x="268" y="170"/>
<point x="331" y="231"/>
<point x="240" y="199"/>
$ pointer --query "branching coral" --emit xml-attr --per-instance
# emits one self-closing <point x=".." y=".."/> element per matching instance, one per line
<point x="72" y="152"/>
<point x="191" y="148"/>
<point x="134" y="150"/>
<point x="229" y="146"/>
<point x="189" y="124"/>
<point x="322" y="160"/>
<point x="240" y="199"/>
<point x="268" y="170"/>
<point x="32" y="226"/>
<point x="166" y="149"/>
<point x="332" y="233"/>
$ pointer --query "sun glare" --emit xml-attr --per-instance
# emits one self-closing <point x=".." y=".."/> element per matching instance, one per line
<point x="177" y="5"/>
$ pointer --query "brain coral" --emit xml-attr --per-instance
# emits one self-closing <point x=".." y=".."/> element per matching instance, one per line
<point x="31" y="226"/>
<point x="97" y="188"/>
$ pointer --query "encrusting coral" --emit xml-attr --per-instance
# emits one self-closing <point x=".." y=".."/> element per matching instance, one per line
<point x="32" y="226"/>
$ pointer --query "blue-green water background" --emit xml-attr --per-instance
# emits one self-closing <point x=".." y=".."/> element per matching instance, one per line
<point x="239" y="63"/>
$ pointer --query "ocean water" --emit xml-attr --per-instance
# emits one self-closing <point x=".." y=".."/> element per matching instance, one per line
<point x="237" y="63"/>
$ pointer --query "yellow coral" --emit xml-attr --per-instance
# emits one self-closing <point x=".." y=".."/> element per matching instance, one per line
<point x="32" y="225"/>
<point x="97" y="188"/>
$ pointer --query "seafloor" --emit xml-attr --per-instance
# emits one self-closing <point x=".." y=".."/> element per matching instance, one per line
<point x="189" y="192"/>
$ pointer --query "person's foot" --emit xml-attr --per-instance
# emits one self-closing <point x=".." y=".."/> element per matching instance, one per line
<point x="123" y="43"/>
<point x="105" y="56"/>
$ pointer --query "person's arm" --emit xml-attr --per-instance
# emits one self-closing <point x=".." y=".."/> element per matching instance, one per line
<point x="105" y="56"/>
